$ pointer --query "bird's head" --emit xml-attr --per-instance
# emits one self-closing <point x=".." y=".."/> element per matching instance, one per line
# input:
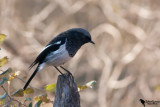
<point x="81" y="35"/>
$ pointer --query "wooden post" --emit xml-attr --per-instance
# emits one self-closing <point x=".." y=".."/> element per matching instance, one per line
<point x="66" y="94"/>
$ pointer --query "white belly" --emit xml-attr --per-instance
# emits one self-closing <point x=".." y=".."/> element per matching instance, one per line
<point x="58" y="57"/>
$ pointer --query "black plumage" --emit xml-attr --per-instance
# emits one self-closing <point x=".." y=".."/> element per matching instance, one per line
<point x="59" y="50"/>
<point x="51" y="48"/>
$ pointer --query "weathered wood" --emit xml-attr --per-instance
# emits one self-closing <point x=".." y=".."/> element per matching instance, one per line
<point x="66" y="94"/>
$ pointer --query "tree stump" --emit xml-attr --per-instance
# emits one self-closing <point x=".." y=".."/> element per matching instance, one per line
<point x="66" y="94"/>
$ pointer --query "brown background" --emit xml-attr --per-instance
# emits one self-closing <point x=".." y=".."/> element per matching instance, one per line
<point x="125" y="61"/>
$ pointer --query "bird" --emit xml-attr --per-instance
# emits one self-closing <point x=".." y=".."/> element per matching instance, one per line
<point x="142" y="101"/>
<point x="60" y="50"/>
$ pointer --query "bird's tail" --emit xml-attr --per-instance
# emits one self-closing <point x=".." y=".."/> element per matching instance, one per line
<point x="33" y="64"/>
<point x="29" y="80"/>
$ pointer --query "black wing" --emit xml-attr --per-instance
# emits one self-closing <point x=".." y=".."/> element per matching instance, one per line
<point x="51" y="47"/>
<point x="62" y="36"/>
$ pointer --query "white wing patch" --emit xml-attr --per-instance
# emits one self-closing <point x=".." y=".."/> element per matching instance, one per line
<point x="47" y="47"/>
<point x="59" y="42"/>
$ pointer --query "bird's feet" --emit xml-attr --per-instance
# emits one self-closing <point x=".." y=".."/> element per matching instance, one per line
<point x="68" y="72"/>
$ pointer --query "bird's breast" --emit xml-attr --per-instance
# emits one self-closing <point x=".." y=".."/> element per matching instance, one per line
<point x="58" y="57"/>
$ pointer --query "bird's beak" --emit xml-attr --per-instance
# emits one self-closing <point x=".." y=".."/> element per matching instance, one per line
<point x="92" y="42"/>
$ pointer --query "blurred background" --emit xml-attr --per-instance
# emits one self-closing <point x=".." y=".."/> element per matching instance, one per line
<point x="125" y="61"/>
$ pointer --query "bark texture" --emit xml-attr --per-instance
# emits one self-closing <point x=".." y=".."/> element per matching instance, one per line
<point x="66" y="94"/>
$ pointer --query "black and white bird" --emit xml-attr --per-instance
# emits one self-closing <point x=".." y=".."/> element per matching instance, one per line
<point x="60" y="50"/>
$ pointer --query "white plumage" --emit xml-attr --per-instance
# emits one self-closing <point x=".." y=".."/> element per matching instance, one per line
<point x="58" y="57"/>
